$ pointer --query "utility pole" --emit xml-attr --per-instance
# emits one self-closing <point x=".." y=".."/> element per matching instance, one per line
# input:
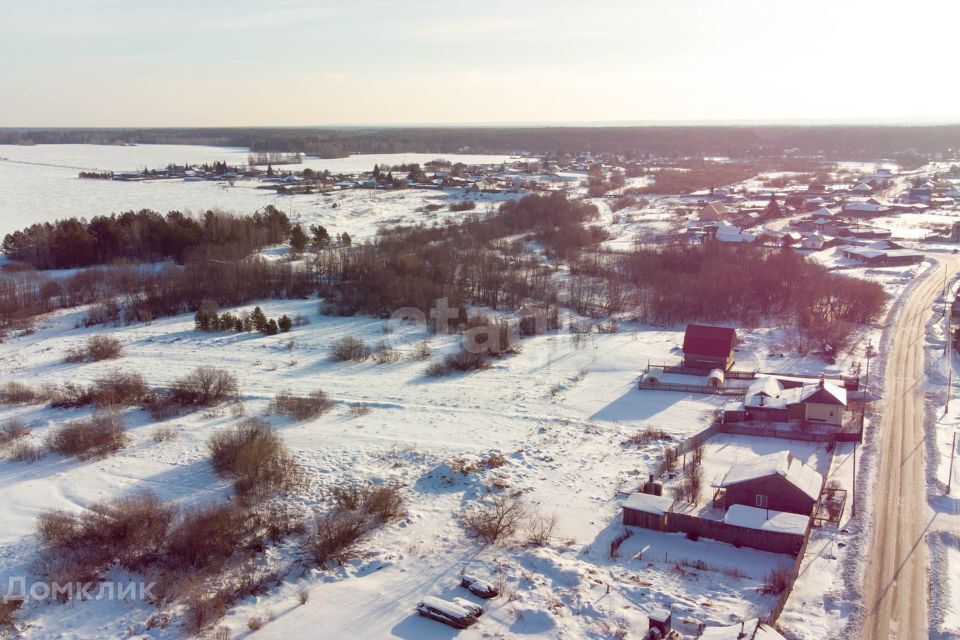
<point x="953" y="453"/>
<point x="946" y="345"/>
<point x="946" y="408"/>
<point x="853" y="492"/>
<point x="870" y="352"/>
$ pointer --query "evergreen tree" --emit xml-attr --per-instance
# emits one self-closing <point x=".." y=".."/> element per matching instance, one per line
<point x="258" y="320"/>
<point x="201" y="320"/>
<point x="376" y="171"/>
<point x="228" y="321"/>
<point x="345" y="240"/>
<point x="285" y="323"/>
<point x="271" y="328"/>
<point x="321" y="239"/>
<point x="298" y="239"/>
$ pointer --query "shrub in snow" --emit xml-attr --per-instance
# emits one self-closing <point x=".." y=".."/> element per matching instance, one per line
<point x="163" y="434"/>
<point x="205" y="534"/>
<point x="384" y="354"/>
<point x="119" y="389"/>
<point x="301" y="407"/>
<point x="334" y="531"/>
<point x="9" y="608"/>
<point x="461" y="360"/>
<point x="104" y="313"/>
<point x="102" y="347"/>
<point x="497" y="519"/>
<point x="777" y="581"/>
<point x="26" y="452"/>
<point x="253" y="455"/>
<point x="96" y="437"/>
<point x="540" y="528"/>
<point x="11" y="430"/>
<point x="18" y="393"/>
<point x="205" y="386"/>
<point x="129" y="531"/>
<point x="356" y="510"/>
<point x="422" y="351"/>
<point x="384" y="503"/>
<point x="349" y="348"/>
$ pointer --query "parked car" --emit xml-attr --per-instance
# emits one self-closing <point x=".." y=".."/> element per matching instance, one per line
<point x="446" y="612"/>
<point x="479" y="587"/>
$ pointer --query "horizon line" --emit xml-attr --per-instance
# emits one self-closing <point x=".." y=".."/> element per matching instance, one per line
<point x="744" y="122"/>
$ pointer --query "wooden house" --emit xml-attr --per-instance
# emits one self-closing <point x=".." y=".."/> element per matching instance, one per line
<point x="713" y="212"/>
<point x="767" y="400"/>
<point x="709" y="348"/>
<point x="776" y="482"/>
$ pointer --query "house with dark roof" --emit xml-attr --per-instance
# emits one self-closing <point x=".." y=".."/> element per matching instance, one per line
<point x="776" y="482"/>
<point x="709" y="347"/>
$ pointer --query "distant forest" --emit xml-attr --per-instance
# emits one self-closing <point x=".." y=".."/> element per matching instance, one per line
<point x="847" y="142"/>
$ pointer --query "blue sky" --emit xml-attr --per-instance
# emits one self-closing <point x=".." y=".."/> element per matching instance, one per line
<point x="292" y="62"/>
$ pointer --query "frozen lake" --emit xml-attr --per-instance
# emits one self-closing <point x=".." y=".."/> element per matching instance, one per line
<point x="40" y="183"/>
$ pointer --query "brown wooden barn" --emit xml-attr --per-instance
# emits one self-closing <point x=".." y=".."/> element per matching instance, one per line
<point x="647" y="511"/>
<point x="709" y="348"/>
<point x="778" y="482"/>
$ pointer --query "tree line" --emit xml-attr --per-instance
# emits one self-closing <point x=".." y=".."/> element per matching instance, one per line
<point x="143" y="236"/>
<point x="843" y="142"/>
<point x="746" y="285"/>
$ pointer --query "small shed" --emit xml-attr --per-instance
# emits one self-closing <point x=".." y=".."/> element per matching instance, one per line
<point x="660" y="619"/>
<point x="646" y="510"/>
<point x="653" y="377"/>
<point x="716" y="378"/>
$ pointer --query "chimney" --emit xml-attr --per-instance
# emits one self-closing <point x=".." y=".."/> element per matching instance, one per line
<point x="821" y="381"/>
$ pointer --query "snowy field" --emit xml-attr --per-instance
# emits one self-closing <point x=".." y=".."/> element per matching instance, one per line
<point x="558" y="411"/>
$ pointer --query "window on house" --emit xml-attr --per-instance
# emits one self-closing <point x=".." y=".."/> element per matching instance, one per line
<point x="761" y="501"/>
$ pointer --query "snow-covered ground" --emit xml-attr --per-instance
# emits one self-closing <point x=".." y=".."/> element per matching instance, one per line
<point x="39" y="183"/>
<point x="560" y="412"/>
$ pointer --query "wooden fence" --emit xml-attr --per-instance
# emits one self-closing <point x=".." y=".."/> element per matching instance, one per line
<point x="791" y="579"/>
<point x="694" y="371"/>
<point x="695" y="527"/>
<point x="772" y="541"/>
<point x="693" y="388"/>
<point x="801" y="431"/>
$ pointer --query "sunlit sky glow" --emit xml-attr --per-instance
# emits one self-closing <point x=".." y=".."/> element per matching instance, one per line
<point x="293" y="62"/>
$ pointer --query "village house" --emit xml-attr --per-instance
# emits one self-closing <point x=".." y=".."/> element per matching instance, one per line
<point x="767" y="400"/>
<point x="883" y="257"/>
<point x="865" y="209"/>
<point x="814" y="241"/>
<point x="776" y="482"/>
<point x="713" y="212"/>
<point x="709" y="348"/>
